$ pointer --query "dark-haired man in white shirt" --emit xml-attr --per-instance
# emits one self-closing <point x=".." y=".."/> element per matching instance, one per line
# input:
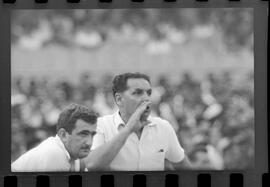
<point x="130" y="139"/>
<point x="75" y="128"/>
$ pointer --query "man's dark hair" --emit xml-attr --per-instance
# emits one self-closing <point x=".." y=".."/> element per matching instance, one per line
<point x="73" y="112"/>
<point x="120" y="81"/>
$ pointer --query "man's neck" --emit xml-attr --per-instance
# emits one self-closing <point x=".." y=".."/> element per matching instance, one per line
<point x="124" y="117"/>
<point x="66" y="148"/>
<point x="71" y="158"/>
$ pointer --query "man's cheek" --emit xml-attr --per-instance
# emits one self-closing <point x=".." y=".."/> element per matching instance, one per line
<point x="79" y="141"/>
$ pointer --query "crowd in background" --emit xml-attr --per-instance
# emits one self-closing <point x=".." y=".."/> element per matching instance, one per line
<point x="213" y="117"/>
<point x="92" y="28"/>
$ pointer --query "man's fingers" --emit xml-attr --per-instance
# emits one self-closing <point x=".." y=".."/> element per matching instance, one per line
<point x="140" y="109"/>
<point x="144" y="105"/>
<point x="134" y="121"/>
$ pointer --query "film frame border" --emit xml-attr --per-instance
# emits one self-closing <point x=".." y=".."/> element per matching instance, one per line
<point x="181" y="177"/>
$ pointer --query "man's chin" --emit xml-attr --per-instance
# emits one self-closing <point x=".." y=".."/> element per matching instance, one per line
<point x="84" y="154"/>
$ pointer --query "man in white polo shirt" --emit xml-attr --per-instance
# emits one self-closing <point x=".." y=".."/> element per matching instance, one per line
<point x="130" y="139"/>
<point x="75" y="128"/>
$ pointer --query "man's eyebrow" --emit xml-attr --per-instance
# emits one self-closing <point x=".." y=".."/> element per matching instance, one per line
<point x="84" y="131"/>
<point x="141" y="89"/>
<point x="138" y="89"/>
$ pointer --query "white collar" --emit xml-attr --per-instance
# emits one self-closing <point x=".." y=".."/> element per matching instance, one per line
<point x="61" y="144"/>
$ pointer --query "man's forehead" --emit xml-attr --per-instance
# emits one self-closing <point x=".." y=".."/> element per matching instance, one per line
<point x="83" y="125"/>
<point x="138" y="83"/>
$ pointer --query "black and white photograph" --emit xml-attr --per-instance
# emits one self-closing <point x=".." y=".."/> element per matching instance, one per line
<point x="132" y="89"/>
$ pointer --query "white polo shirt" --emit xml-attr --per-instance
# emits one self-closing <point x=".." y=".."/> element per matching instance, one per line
<point x="49" y="155"/>
<point x="158" y="142"/>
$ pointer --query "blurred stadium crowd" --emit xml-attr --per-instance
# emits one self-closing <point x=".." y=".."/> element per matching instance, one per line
<point x="160" y="28"/>
<point x="213" y="117"/>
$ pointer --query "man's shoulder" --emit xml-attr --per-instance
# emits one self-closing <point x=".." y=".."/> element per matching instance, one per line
<point x="35" y="158"/>
<point x="41" y="148"/>
<point x="105" y="120"/>
<point x="106" y="117"/>
<point x="49" y="150"/>
<point x="161" y="123"/>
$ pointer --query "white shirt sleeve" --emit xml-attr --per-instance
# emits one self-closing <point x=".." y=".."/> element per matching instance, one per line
<point x="16" y="166"/>
<point x="25" y="163"/>
<point x="175" y="153"/>
<point x="99" y="138"/>
<point x="53" y="162"/>
<point x="35" y="161"/>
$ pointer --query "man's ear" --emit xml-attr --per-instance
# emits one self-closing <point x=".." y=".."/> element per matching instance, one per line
<point x="118" y="99"/>
<point x="63" y="134"/>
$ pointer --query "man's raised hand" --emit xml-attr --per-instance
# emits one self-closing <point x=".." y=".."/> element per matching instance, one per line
<point x="134" y="123"/>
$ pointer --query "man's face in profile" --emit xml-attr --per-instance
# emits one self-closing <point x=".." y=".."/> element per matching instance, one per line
<point x="138" y="90"/>
<point x="80" y="140"/>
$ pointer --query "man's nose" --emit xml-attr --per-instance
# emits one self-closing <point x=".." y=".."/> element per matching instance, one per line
<point x="146" y="97"/>
<point x="89" y="141"/>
